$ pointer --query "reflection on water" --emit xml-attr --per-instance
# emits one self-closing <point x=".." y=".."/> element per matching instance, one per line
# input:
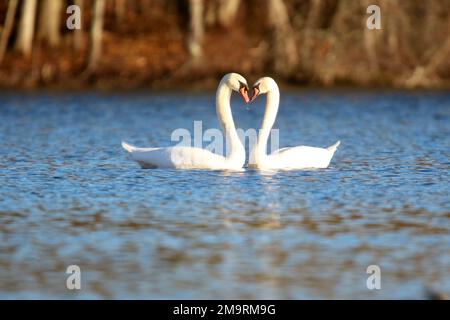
<point x="70" y="195"/>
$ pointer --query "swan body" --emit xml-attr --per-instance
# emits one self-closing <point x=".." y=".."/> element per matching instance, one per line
<point x="182" y="157"/>
<point x="290" y="158"/>
<point x="301" y="157"/>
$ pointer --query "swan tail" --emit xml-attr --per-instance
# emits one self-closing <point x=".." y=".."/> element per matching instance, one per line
<point x="128" y="147"/>
<point x="333" y="147"/>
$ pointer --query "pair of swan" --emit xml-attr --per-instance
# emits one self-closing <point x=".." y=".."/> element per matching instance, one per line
<point x="301" y="157"/>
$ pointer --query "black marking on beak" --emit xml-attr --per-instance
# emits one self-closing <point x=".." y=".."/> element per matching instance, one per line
<point x="243" y="85"/>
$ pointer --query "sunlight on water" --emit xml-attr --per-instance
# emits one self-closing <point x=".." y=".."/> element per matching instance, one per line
<point x="70" y="195"/>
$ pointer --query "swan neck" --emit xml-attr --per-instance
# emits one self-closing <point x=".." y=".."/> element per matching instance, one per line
<point x="272" y="103"/>
<point x="225" y="116"/>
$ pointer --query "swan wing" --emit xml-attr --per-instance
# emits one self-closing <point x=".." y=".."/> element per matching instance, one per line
<point x="130" y="148"/>
<point x="178" y="158"/>
<point x="302" y="157"/>
<point x="281" y="150"/>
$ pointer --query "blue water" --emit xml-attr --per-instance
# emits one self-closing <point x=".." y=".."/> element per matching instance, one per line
<point x="70" y="195"/>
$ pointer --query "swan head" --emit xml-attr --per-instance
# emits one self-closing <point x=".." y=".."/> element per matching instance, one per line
<point x="237" y="83"/>
<point x="262" y="86"/>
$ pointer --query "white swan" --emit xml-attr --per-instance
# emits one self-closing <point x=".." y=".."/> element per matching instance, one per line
<point x="196" y="158"/>
<point x="301" y="157"/>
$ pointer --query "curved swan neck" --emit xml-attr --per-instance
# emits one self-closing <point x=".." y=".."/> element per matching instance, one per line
<point x="223" y="109"/>
<point x="272" y="103"/>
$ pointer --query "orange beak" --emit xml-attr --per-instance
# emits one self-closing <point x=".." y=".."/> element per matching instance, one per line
<point x="255" y="93"/>
<point x="244" y="93"/>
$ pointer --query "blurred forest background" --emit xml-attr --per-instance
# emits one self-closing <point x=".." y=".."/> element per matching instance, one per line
<point x="165" y="43"/>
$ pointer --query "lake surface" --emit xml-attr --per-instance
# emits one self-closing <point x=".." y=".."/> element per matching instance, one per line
<point x="70" y="195"/>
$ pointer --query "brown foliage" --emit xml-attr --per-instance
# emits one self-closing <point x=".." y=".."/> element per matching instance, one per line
<point x="164" y="43"/>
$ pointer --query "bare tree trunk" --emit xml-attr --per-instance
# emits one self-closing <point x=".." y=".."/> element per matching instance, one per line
<point x="49" y="22"/>
<point x="78" y="34"/>
<point x="227" y="11"/>
<point x="197" y="30"/>
<point x="24" y="42"/>
<point x="96" y="34"/>
<point x="285" y="54"/>
<point x="6" y="32"/>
